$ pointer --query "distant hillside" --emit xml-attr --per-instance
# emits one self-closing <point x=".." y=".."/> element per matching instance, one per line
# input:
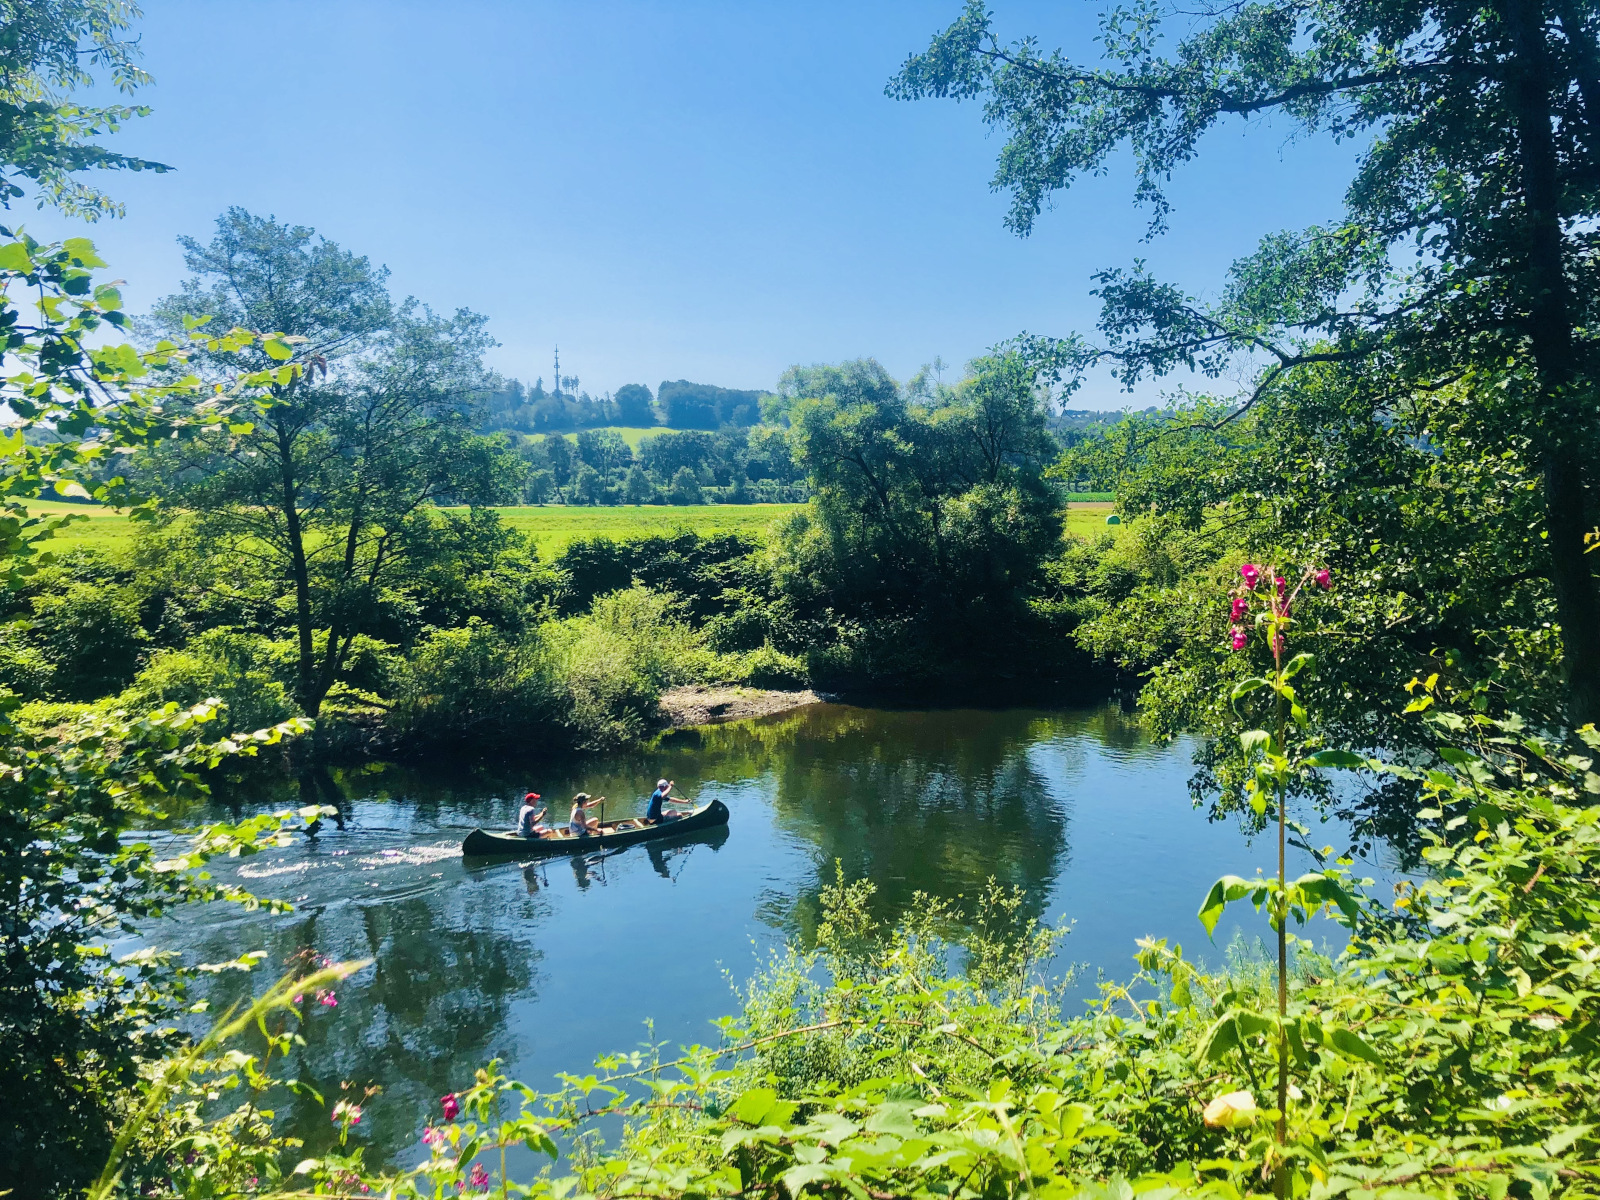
<point x="1071" y="424"/>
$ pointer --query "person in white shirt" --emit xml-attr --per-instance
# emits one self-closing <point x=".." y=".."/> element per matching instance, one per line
<point x="530" y="819"/>
<point x="581" y="822"/>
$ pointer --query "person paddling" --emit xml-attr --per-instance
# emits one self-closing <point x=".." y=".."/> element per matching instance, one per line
<point x="662" y="795"/>
<point x="530" y="818"/>
<point x="581" y="822"/>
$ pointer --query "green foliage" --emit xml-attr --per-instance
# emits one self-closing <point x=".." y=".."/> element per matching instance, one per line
<point x="588" y="681"/>
<point x="930" y="526"/>
<point x="75" y="1025"/>
<point x="685" y="488"/>
<point x="1408" y="399"/>
<point x="635" y="404"/>
<point x="52" y="47"/>
<point x="347" y="452"/>
<point x="244" y="671"/>
<point x="686" y="405"/>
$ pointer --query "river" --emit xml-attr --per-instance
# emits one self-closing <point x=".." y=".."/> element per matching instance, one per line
<point x="547" y="966"/>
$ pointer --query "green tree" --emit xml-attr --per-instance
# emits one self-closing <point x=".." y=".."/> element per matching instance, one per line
<point x="921" y="501"/>
<point x="604" y="450"/>
<point x="561" y="457"/>
<point x="637" y="488"/>
<point x="50" y="48"/>
<point x="635" y="405"/>
<point x="588" y="487"/>
<point x="685" y="488"/>
<point x="1482" y="154"/>
<point x="346" y="453"/>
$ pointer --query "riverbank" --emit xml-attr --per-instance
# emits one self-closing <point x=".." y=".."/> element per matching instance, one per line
<point x="701" y="705"/>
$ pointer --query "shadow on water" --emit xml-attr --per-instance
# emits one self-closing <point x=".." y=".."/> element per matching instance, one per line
<point x="548" y="964"/>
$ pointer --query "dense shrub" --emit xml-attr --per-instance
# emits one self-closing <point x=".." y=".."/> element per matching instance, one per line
<point x="244" y="671"/>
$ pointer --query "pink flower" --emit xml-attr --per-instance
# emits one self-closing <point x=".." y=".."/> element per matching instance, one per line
<point x="451" y="1106"/>
<point x="1251" y="575"/>
<point x="1240" y="638"/>
<point x="1240" y="607"/>
<point x="478" y="1181"/>
<point x="297" y="999"/>
<point x="1324" y="580"/>
<point x="1283" y="584"/>
<point x="329" y="1000"/>
<point x="430" y="1135"/>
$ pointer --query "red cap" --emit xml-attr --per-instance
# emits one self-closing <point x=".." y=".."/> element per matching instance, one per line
<point x="531" y="796"/>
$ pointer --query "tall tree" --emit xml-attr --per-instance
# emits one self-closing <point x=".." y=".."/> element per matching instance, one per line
<point x="1484" y="127"/>
<point x="374" y="427"/>
<point x="48" y="48"/>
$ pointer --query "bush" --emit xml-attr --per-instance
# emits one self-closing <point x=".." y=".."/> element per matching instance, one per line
<point x="616" y="662"/>
<point x="478" y="686"/>
<point x="245" y="671"/>
<point x="91" y="636"/>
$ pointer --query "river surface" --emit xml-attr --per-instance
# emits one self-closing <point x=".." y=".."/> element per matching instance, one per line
<point x="548" y="966"/>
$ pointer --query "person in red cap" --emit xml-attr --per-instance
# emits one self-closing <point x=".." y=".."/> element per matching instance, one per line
<point x="530" y="818"/>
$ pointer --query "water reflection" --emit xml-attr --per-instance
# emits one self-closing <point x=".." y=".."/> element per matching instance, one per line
<point x="547" y="964"/>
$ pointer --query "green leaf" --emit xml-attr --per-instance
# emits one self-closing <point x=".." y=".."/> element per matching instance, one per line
<point x="1557" y="1142"/>
<point x="1255" y="739"/>
<point x="81" y="251"/>
<point x="14" y="256"/>
<point x="1297" y="664"/>
<point x="1245" y="686"/>
<point x="1228" y="888"/>
<point x="1351" y="1045"/>
<point x="1222" y="1037"/>
<point x="1344" y="759"/>
<point x="751" y="1107"/>
<point x="276" y="349"/>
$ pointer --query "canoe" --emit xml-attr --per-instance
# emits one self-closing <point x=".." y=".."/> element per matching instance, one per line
<point x="480" y="843"/>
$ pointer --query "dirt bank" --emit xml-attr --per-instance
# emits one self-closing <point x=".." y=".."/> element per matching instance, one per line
<point x="698" y="705"/>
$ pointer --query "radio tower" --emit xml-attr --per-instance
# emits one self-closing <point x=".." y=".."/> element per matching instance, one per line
<point x="558" y="370"/>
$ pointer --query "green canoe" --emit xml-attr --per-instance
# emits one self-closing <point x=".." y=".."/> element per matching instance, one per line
<point x="482" y="844"/>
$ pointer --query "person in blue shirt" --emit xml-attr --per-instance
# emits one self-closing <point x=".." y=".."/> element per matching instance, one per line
<point x="662" y="795"/>
<point x="530" y="819"/>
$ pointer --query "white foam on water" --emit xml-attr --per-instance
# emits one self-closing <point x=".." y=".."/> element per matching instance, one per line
<point x="412" y="856"/>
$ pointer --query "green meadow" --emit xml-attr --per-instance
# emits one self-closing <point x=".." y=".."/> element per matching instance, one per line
<point x="550" y="526"/>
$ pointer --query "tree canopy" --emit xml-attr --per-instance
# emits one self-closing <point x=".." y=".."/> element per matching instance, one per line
<point x="1458" y="289"/>
<point x="48" y="49"/>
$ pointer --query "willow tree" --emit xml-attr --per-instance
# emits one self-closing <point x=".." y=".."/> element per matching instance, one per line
<point x="1465" y="260"/>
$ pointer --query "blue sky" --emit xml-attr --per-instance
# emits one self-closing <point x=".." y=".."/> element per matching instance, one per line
<point x="710" y="191"/>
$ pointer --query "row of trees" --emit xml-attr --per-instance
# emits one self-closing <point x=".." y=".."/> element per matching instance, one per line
<point x="736" y="465"/>
<point x="677" y="404"/>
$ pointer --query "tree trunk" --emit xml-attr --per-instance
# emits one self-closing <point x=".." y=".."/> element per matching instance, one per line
<point x="307" y="666"/>
<point x="1550" y="309"/>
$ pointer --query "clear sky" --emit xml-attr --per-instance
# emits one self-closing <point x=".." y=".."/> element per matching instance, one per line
<point x="684" y="189"/>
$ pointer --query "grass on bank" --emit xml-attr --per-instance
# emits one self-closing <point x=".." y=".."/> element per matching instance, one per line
<point x="551" y="527"/>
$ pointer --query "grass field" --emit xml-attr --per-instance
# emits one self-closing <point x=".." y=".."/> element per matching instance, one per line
<point x="632" y="434"/>
<point x="550" y="526"/>
<point x="103" y="528"/>
<point x="1089" y="519"/>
